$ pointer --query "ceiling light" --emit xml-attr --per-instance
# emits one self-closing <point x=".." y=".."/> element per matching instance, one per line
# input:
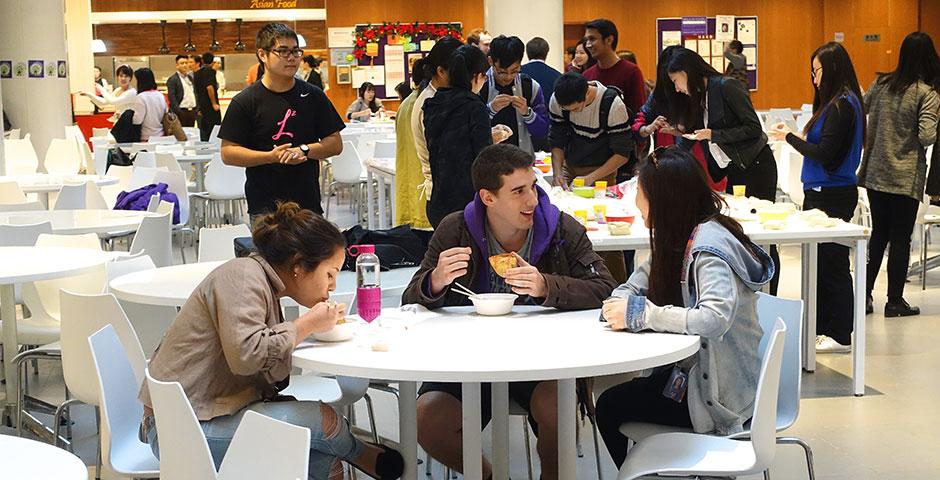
<point x="98" y="46"/>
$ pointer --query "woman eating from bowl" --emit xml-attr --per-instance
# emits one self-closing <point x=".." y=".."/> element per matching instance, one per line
<point x="230" y="347"/>
<point x="366" y="105"/>
<point x="702" y="279"/>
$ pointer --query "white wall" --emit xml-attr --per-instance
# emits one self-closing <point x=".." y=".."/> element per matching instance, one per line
<point x="529" y="18"/>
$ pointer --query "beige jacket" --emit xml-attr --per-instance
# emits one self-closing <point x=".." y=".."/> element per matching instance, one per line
<point x="229" y="344"/>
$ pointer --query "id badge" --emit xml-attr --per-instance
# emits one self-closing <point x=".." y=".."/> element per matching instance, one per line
<point x="677" y="385"/>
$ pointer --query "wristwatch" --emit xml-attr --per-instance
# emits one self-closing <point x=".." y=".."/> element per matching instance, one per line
<point x="304" y="148"/>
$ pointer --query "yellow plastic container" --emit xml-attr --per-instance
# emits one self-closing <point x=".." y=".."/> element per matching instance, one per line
<point x="600" y="212"/>
<point x="739" y="190"/>
<point x="577" y="182"/>
<point x="581" y="216"/>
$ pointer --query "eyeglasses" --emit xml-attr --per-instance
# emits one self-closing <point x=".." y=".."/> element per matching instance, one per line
<point x="814" y="70"/>
<point x="506" y="73"/>
<point x="286" y="53"/>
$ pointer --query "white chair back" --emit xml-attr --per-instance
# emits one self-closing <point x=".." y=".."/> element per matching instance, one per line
<point x="145" y="159"/>
<point x="22" y="207"/>
<point x="150" y="322"/>
<point x="10" y="192"/>
<point x="224" y="181"/>
<point x="769" y="309"/>
<point x="100" y="132"/>
<point x="795" y="190"/>
<point x="214" y="135"/>
<point x="192" y="133"/>
<point x="184" y="452"/>
<point x="141" y="176"/>
<point x="347" y="166"/>
<point x="764" y="421"/>
<point x="13" y="134"/>
<point x="384" y="149"/>
<point x="71" y="197"/>
<point x="154" y="237"/>
<point x="42" y="297"/>
<point x="23" y="235"/>
<point x="20" y="156"/>
<point x="176" y="148"/>
<point x="217" y="244"/>
<point x="124" y="176"/>
<point x="289" y="446"/>
<point x="83" y="315"/>
<point x="121" y="411"/>
<point x="62" y="157"/>
<point x="176" y="183"/>
<point x="166" y="139"/>
<point x="100" y="160"/>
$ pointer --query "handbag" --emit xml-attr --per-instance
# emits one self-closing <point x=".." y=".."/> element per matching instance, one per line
<point x="172" y="126"/>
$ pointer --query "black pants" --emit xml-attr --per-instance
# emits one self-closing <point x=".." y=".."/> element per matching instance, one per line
<point x="639" y="400"/>
<point x="206" y="121"/>
<point x="892" y="221"/>
<point x="834" y="316"/>
<point x="760" y="179"/>
<point x="187" y="117"/>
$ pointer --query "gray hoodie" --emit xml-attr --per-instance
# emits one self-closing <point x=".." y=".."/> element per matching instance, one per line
<point x="723" y="281"/>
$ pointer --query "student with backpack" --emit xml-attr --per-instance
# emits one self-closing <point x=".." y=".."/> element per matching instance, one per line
<point x="514" y="99"/>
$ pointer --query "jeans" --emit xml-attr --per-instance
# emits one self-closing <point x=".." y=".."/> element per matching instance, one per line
<point x="760" y="180"/>
<point x="323" y="451"/>
<point x="834" y="316"/>
<point x="892" y="221"/>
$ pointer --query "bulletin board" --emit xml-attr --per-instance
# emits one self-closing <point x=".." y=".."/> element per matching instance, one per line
<point x="390" y="63"/>
<point x="671" y="31"/>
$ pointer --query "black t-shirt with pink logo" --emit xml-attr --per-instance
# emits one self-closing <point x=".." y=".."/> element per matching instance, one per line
<point x="260" y="119"/>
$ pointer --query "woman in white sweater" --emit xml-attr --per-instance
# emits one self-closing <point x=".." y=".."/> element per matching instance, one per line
<point x="121" y="98"/>
<point x="150" y="106"/>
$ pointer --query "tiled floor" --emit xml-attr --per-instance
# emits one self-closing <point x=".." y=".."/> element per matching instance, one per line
<point x="891" y="433"/>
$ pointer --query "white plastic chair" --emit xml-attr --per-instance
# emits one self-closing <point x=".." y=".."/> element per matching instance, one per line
<point x="20" y="156"/>
<point x="62" y="157"/>
<point x="100" y="160"/>
<point x="71" y="197"/>
<point x="690" y="454"/>
<point x="13" y="134"/>
<point x="225" y="190"/>
<point x="347" y="173"/>
<point x="214" y="135"/>
<point x="124" y="176"/>
<point x="149" y="321"/>
<point x="142" y="176"/>
<point x="176" y="148"/>
<point x="192" y="133"/>
<point x="154" y="238"/>
<point x="384" y="149"/>
<point x="795" y="183"/>
<point x="217" y="244"/>
<point x="176" y="183"/>
<point x="184" y="452"/>
<point x="22" y="207"/>
<point x="100" y="132"/>
<point x="23" y="235"/>
<point x="165" y="139"/>
<point x="167" y="160"/>
<point x="145" y="159"/>
<point x="10" y="192"/>
<point x="121" y="411"/>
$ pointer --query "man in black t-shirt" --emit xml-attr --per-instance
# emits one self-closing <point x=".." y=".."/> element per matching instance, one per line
<point x="206" y="88"/>
<point x="278" y="127"/>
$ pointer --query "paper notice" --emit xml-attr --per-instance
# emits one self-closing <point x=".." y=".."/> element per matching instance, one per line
<point x="724" y="28"/>
<point x="747" y="31"/>
<point x="672" y="37"/>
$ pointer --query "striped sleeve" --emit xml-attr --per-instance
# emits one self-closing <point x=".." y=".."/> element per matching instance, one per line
<point x="618" y="128"/>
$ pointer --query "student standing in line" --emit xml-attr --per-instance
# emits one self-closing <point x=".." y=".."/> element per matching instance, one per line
<point x="902" y="121"/>
<point x="831" y="145"/>
<point x="457" y="127"/>
<point x="207" y="97"/>
<point x="410" y="201"/>
<point x="717" y="111"/>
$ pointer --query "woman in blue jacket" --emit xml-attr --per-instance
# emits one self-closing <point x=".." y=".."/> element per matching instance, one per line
<point x="831" y="145"/>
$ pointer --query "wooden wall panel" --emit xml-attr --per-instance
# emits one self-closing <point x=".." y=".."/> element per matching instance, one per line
<point x="930" y="19"/>
<point x="346" y="13"/>
<point x="788" y="32"/>
<point x="145" y="39"/>
<point x="163" y="5"/>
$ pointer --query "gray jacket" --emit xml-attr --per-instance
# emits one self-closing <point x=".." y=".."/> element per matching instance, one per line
<point x="900" y="128"/>
<point x="721" y="297"/>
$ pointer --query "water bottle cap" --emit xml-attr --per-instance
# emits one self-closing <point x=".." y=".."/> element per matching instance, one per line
<point x="355" y="250"/>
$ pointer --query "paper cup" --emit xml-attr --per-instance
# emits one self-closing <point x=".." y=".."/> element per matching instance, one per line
<point x="739" y="190"/>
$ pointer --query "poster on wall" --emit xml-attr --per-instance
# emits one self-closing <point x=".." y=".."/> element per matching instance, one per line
<point x="341" y="37"/>
<point x="394" y="65"/>
<point x="694" y="26"/>
<point x="747" y="31"/>
<point x="6" y="69"/>
<point x="708" y="45"/>
<point x="63" y="69"/>
<point x="672" y="37"/>
<point x="374" y="74"/>
<point x="342" y="56"/>
<point x="343" y="75"/>
<point x="36" y="68"/>
<point x="412" y="58"/>
<point x="724" y="28"/>
<point x="19" y="70"/>
<point x="751" y="54"/>
<point x="51" y="70"/>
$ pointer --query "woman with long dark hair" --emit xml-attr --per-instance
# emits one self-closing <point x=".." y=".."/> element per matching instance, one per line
<point x="702" y="279"/>
<point x="717" y="111"/>
<point x="902" y="122"/>
<point x="150" y="106"/>
<point x="582" y="59"/>
<point x="366" y="104"/>
<point x="457" y="127"/>
<point x="831" y="145"/>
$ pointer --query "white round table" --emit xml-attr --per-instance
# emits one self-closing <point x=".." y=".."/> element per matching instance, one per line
<point x="25" y="459"/>
<point x="29" y="264"/>
<point x="455" y="345"/>
<point x="43" y="184"/>
<point x="74" y="222"/>
<point x="172" y="286"/>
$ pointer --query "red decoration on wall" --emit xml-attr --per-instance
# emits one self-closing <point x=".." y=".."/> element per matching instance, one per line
<point x="431" y="32"/>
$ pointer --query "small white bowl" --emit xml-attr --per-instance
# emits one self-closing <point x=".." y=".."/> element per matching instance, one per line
<point x="493" y="303"/>
<point x="339" y="333"/>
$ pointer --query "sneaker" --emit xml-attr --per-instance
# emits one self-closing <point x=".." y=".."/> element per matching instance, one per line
<point x="825" y="344"/>
<point x="869" y="305"/>
<point x="900" y="309"/>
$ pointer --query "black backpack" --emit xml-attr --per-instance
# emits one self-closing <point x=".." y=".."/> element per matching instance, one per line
<point x="399" y="247"/>
<point x="607" y="101"/>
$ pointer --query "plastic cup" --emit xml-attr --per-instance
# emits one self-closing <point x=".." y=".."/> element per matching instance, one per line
<point x="739" y="190"/>
<point x="600" y="213"/>
<point x="581" y="216"/>
<point x="577" y="182"/>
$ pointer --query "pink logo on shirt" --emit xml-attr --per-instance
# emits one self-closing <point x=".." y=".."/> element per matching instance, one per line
<point x="283" y="123"/>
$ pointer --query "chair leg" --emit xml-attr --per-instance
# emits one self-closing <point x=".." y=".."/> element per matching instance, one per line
<point x="98" y="449"/>
<point x="62" y="411"/>
<point x="597" y="450"/>
<point x="375" y="432"/>
<point x="528" y="448"/>
<point x="767" y="474"/>
<point x="923" y="259"/>
<point x="806" y="449"/>
<point x="427" y="465"/>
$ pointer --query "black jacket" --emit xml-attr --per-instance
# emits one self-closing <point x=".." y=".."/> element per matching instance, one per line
<point x="457" y="128"/>
<point x="734" y="125"/>
<point x="933" y="177"/>
<point x="174" y="90"/>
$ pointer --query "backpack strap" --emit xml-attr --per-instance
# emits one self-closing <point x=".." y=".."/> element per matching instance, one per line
<point x="607" y="101"/>
<point x="527" y="89"/>
<point x="485" y="94"/>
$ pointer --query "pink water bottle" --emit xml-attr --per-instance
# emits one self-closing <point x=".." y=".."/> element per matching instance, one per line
<point x="368" y="289"/>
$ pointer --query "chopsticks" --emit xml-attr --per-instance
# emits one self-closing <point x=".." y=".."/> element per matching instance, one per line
<point x="457" y="287"/>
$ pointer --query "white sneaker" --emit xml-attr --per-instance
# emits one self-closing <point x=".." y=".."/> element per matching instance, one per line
<point x="825" y="344"/>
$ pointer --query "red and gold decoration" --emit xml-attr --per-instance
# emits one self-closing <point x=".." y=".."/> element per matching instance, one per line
<point x="367" y="39"/>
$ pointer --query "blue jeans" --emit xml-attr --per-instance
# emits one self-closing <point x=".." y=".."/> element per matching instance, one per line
<point x="323" y="451"/>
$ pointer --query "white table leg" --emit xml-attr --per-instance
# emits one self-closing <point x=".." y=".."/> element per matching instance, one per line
<point x="370" y="209"/>
<point x="804" y="294"/>
<point x="408" y="427"/>
<point x="382" y="209"/>
<point x="43" y="198"/>
<point x="858" y="343"/>
<point x="811" y="308"/>
<point x="8" y="317"/>
<point x="500" y="424"/>
<point x="567" y="411"/>
<point x="472" y="436"/>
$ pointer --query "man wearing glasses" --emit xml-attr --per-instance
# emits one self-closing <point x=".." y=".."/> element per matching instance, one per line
<point x="514" y="99"/>
<point x="207" y="97"/>
<point x="278" y="128"/>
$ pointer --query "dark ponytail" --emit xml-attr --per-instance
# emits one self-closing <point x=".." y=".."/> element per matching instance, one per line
<point x="439" y="56"/>
<point x="464" y="65"/>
